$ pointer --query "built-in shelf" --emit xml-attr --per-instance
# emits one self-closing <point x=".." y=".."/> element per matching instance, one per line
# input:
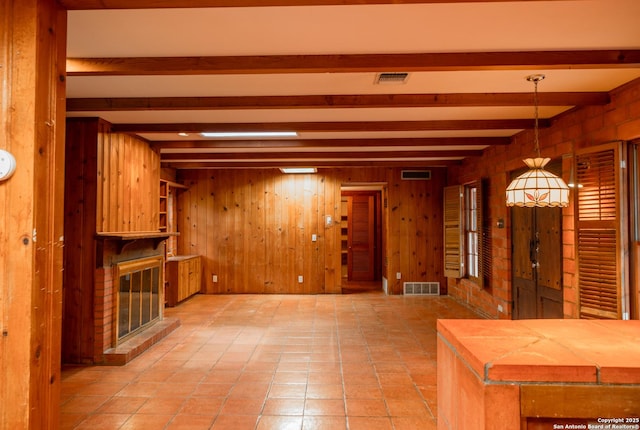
<point x="125" y="238"/>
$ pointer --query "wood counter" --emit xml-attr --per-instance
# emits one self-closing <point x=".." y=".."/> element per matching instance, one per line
<point x="538" y="374"/>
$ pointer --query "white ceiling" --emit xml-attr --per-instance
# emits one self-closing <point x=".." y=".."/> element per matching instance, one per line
<point x="336" y="31"/>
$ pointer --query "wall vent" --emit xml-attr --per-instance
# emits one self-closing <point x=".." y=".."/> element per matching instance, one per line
<point x="422" y="288"/>
<point x="416" y="175"/>
<point x="392" y="78"/>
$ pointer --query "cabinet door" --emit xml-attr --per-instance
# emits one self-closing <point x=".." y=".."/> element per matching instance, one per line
<point x="183" y="281"/>
<point x="194" y="275"/>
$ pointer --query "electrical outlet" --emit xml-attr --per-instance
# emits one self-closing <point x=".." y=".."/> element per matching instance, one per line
<point x="398" y="275"/>
<point x="214" y="278"/>
<point x="314" y="237"/>
<point x="500" y="308"/>
<point x="300" y="279"/>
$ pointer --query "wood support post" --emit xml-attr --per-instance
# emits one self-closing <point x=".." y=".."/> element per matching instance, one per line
<point x="32" y="100"/>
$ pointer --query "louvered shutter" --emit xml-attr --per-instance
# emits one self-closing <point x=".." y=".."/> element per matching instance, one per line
<point x="486" y="262"/>
<point x="453" y="232"/>
<point x="601" y="261"/>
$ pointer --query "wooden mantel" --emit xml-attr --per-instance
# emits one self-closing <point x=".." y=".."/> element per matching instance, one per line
<point x="125" y="238"/>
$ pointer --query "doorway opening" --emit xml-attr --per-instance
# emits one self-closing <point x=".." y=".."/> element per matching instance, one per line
<point x="361" y="237"/>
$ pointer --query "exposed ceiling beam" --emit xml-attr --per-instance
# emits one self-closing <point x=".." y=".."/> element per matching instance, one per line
<point x="146" y="4"/>
<point x="331" y="143"/>
<point x="370" y="154"/>
<point x="320" y="164"/>
<point x="489" y="124"/>
<point x="448" y="61"/>
<point x="335" y="101"/>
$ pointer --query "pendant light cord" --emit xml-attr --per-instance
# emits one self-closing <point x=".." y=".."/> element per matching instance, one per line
<point x="535" y="79"/>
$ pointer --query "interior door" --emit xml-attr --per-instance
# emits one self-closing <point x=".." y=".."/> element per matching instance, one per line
<point x="537" y="262"/>
<point x="361" y="238"/>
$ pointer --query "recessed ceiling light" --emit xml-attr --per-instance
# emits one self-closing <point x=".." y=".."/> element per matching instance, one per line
<point x="299" y="170"/>
<point x="249" y="134"/>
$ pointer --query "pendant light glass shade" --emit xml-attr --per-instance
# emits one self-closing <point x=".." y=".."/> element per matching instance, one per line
<point x="537" y="187"/>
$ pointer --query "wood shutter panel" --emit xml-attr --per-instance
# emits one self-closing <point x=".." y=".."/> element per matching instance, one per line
<point x="486" y="262"/>
<point x="453" y="232"/>
<point x="600" y="244"/>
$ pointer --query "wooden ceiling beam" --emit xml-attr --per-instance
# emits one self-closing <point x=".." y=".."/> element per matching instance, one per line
<point x="320" y="164"/>
<point x="489" y="124"/>
<point x="449" y="61"/>
<point x="331" y="143"/>
<point x="147" y="4"/>
<point x="335" y="101"/>
<point x="364" y="154"/>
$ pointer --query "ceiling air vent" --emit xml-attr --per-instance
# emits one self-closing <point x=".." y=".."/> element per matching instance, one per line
<point x="392" y="78"/>
<point x="416" y="175"/>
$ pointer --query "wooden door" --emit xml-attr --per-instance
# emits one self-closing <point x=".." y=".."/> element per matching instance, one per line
<point x="361" y="237"/>
<point x="537" y="262"/>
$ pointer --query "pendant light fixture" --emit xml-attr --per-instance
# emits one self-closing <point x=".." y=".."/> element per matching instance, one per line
<point x="537" y="187"/>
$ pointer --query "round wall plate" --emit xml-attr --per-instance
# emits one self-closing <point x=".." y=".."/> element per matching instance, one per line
<point x="7" y="165"/>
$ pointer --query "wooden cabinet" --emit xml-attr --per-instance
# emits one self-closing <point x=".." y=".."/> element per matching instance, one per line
<point x="183" y="276"/>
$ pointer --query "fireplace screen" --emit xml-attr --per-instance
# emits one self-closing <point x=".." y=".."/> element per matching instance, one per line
<point x="138" y="295"/>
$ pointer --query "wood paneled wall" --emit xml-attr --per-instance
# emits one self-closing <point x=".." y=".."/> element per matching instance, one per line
<point x="128" y="184"/>
<point x="254" y="228"/>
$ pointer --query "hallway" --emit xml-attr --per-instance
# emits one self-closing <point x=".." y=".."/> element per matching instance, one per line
<point x="357" y="361"/>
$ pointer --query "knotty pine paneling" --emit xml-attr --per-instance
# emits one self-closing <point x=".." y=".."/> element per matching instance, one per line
<point x="253" y="228"/>
<point x="127" y="184"/>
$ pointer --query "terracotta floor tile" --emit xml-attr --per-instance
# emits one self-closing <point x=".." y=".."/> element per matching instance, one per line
<point x="290" y="377"/>
<point x="83" y="404"/>
<point x="254" y="390"/>
<point x="357" y="361"/>
<point x="396" y="378"/>
<point x="403" y="391"/>
<point x="121" y="405"/>
<point x="328" y="377"/>
<point x="212" y="390"/>
<point x="366" y="408"/>
<point x="221" y="376"/>
<point x="173" y="389"/>
<point x="242" y="406"/>
<point x="413" y="423"/>
<point x="70" y="421"/>
<point x="162" y="405"/>
<point x="100" y="388"/>
<point x="146" y="422"/>
<point x="325" y="391"/>
<point x="190" y="422"/>
<point x="140" y="389"/>
<point x="407" y="407"/>
<point x="103" y="422"/>
<point x="371" y="391"/>
<point x="270" y="422"/>
<point x="202" y="406"/>
<point x="324" y="423"/>
<point x="369" y="423"/>
<point x="254" y="377"/>
<point x="331" y="407"/>
<point x="292" y="391"/>
<point x="284" y="407"/>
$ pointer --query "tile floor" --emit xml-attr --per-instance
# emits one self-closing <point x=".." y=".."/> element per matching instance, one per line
<point x="355" y="361"/>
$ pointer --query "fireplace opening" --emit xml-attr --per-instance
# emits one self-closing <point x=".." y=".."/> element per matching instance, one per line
<point x="138" y="296"/>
